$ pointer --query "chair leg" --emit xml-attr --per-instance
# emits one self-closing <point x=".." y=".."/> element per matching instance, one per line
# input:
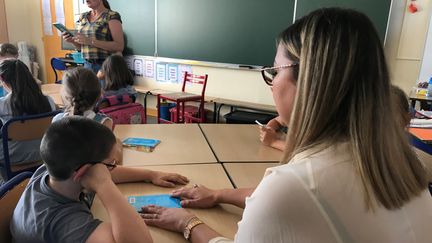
<point x="158" y="109"/>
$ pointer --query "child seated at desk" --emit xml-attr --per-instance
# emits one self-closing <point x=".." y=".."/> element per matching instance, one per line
<point x="80" y="154"/>
<point x="117" y="78"/>
<point x="80" y="92"/>
<point x="8" y="51"/>
<point x="24" y="98"/>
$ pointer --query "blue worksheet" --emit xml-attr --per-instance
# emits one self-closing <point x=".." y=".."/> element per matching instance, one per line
<point x="163" y="200"/>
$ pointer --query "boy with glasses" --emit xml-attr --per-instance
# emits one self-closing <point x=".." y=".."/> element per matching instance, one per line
<point x="79" y="154"/>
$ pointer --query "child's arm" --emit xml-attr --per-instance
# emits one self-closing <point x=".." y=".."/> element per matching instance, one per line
<point x="126" y="225"/>
<point x="123" y="174"/>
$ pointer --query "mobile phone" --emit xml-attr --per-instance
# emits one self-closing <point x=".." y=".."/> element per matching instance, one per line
<point x="259" y="123"/>
<point x="62" y="28"/>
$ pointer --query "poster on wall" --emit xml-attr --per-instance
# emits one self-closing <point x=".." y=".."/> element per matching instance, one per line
<point x="138" y="66"/>
<point x="161" y="72"/>
<point x="181" y="71"/>
<point x="173" y="73"/>
<point x="130" y="62"/>
<point x="149" y="68"/>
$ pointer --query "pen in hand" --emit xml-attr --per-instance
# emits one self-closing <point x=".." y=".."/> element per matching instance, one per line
<point x="260" y="124"/>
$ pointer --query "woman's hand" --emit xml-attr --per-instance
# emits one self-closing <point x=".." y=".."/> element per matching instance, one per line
<point x="168" y="179"/>
<point x="173" y="219"/>
<point x="196" y="197"/>
<point x="67" y="37"/>
<point x="82" y="39"/>
<point x="268" y="135"/>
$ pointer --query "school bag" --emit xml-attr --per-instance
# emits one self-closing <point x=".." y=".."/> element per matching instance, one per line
<point x="122" y="110"/>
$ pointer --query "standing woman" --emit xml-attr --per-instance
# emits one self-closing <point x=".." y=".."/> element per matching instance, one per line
<point x="100" y="34"/>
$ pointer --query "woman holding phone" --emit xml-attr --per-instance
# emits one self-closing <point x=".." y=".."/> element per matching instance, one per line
<point x="100" y="34"/>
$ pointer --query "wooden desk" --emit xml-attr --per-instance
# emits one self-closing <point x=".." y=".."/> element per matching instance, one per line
<point x="53" y="90"/>
<point x="223" y="218"/>
<point x="180" y="144"/>
<point x="247" y="174"/>
<point x="238" y="143"/>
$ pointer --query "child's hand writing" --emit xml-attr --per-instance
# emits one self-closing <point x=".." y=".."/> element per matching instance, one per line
<point x="168" y="179"/>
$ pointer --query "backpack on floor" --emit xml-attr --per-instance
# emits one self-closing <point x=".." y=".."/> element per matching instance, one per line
<point x="122" y="110"/>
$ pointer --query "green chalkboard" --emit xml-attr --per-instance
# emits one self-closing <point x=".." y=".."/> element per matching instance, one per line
<point x="228" y="31"/>
<point x="377" y="11"/>
<point x="138" y="18"/>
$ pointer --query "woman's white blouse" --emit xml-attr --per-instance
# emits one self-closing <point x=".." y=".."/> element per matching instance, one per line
<point x="318" y="197"/>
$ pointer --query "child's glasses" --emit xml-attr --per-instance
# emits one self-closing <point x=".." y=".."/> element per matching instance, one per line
<point x="111" y="166"/>
<point x="269" y="73"/>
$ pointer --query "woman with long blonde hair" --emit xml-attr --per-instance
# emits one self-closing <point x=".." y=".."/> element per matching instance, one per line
<point x="348" y="173"/>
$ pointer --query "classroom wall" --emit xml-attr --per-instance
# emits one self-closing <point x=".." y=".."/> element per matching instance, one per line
<point x="24" y="24"/>
<point x="3" y="23"/>
<point x="405" y="43"/>
<point x="404" y="51"/>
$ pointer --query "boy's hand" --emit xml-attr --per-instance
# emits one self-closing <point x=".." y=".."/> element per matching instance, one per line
<point x="168" y="179"/>
<point x="196" y="197"/>
<point x="174" y="219"/>
<point x="94" y="176"/>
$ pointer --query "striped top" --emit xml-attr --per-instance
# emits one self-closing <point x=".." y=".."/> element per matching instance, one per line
<point x="98" y="29"/>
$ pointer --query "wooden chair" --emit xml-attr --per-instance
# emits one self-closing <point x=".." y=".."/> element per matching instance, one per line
<point x="10" y="194"/>
<point x="20" y="129"/>
<point x="180" y="98"/>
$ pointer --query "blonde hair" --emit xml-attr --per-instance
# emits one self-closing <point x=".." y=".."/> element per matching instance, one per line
<point x="343" y="92"/>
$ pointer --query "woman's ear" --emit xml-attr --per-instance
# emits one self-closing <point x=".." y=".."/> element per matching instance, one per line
<point x="80" y="172"/>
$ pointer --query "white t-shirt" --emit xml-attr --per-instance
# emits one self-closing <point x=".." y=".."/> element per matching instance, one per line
<point x="318" y="197"/>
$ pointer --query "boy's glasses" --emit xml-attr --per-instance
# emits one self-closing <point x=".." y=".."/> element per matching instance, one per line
<point x="111" y="166"/>
<point x="269" y="73"/>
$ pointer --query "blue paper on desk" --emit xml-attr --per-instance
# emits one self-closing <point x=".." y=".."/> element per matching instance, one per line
<point x="141" y="142"/>
<point x="163" y="200"/>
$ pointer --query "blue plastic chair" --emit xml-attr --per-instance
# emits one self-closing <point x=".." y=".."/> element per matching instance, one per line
<point x="10" y="194"/>
<point x="57" y="65"/>
<point x="20" y="129"/>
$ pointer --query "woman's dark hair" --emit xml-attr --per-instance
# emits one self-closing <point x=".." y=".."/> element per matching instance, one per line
<point x="7" y="49"/>
<point x="72" y="142"/>
<point x="82" y="90"/>
<point x="106" y="4"/>
<point x="116" y="72"/>
<point x="26" y="96"/>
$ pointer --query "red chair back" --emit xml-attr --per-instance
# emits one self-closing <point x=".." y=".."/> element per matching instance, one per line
<point x="195" y="79"/>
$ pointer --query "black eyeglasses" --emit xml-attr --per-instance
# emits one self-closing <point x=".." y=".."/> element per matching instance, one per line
<point x="110" y="166"/>
<point x="269" y="73"/>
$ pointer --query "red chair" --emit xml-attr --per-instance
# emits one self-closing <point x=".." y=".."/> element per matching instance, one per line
<point x="181" y="97"/>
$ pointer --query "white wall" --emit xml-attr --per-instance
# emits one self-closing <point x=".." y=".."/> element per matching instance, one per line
<point x="405" y="43"/>
<point x="24" y="24"/>
<point x="426" y="66"/>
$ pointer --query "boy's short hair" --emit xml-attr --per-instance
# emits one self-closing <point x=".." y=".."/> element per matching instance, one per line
<point x="72" y="142"/>
<point x="7" y="49"/>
